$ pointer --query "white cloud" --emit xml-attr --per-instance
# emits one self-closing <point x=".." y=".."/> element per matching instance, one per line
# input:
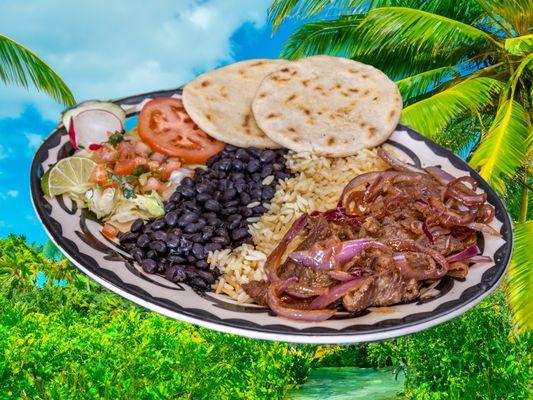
<point x="34" y="140"/>
<point x="112" y="49"/>
<point x="9" y="194"/>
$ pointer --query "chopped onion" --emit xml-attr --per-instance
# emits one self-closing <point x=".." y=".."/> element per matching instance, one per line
<point x="476" y="259"/>
<point x="466" y="253"/>
<point x="93" y="127"/>
<point x="344" y="276"/>
<point x="427" y="232"/>
<point x="489" y="230"/>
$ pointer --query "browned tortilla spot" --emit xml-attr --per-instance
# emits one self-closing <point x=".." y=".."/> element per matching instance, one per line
<point x="294" y="72"/>
<point x="261" y="95"/>
<point x="273" y="115"/>
<point x="331" y="140"/>
<point x="290" y="98"/>
<point x="246" y="120"/>
<point x="208" y="116"/>
<point x="345" y="94"/>
<point x="375" y="98"/>
<point x="284" y="69"/>
<point x="391" y="115"/>
<point x="366" y="93"/>
<point x="320" y="113"/>
<point x="206" y="83"/>
<point x="338" y="85"/>
<point x="362" y="124"/>
<point x="364" y="76"/>
<point x="372" y="131"/>
<point x="353" y="71"/>
<point x="291" y="129"/>
<point x="355" y="90"/>
<point x="257" y="64"/>
<point x="296" y="139"/>
<point x="305" y="110"/>
<point x="305" y="82"/>
<point x="319" y="88"/>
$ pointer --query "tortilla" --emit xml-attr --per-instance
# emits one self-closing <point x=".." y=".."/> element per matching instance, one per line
<point x="219" y="102"/>
<point x="327" y="105"/>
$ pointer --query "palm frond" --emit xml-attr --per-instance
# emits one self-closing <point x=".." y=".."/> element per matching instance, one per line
<point x="519" y="46"/>
<point x="503" y="148"/>
<point x="20" y="66"/>
<point x="519" y="293"/>
<point x="422" y="83"/>
<point x="431" y="115"/>
<point x="322" y="37"/>
<point x="517" y="13"/>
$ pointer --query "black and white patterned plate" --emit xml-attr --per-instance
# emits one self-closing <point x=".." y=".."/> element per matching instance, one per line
<point x="102" y="260"/>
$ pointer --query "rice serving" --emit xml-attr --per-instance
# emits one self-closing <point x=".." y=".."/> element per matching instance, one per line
<point x="316" y="185"/>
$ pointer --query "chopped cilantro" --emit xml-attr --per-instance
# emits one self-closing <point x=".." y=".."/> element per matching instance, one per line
<point x="116" y="138"/>
<point x="139" y="171"/>
<point x="128" y="192"/>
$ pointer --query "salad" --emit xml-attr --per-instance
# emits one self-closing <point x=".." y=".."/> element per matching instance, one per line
<point x="123" y="176"/>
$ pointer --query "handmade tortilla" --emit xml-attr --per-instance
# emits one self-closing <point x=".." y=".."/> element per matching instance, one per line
<point x="327" y="105"/>
<point x="219" y="102"/>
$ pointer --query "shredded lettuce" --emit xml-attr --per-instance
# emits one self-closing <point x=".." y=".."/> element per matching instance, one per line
<point x="142" y="206"/>
<point x="101" y="202"/>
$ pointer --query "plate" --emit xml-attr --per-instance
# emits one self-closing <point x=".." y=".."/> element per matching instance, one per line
<point x="105" y="262"/>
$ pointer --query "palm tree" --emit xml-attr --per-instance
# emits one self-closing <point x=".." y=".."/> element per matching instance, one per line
<point x="465" y="73"/>
<point x="20" y="66"/>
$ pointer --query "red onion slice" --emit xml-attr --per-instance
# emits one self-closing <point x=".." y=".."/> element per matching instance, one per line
<point x="476" y="259"/>
<point x="277" y="306"/>
<point x="397" y="164"/>
<point x="335" y="293"/>
<point x="427" y="232"/>
<point x="72" y="135"/>
<point x="466" y="253"/>
<point x="344" y="276"/>
<point x="489" y="230"/>
<point x="93" y="126"/>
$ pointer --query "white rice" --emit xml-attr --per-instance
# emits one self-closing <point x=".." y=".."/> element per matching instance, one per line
<point x="316" y="185"/>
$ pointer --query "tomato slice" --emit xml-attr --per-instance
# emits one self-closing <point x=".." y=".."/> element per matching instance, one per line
<point x="166" y="127"/>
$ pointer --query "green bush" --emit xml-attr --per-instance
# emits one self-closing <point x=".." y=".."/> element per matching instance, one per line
<point x="472" y="357"/>
<point x="81" y="341"/>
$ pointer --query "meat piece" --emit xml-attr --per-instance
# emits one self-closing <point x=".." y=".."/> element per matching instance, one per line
<point x="389" y="288"/>
<point x="257" y="290"/>
<point x="360" y="298"/>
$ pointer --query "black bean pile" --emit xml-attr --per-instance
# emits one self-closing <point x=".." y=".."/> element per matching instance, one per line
<point x="208" y="212"/>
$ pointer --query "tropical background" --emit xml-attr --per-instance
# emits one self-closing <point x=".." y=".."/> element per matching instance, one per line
<point x="465" y="73"/>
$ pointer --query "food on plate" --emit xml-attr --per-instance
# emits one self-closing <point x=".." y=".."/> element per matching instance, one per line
<point x="167" y="128"/>
<point x="220" y="102"/>
<point x="206" y="213"/>
<point x="327" y="105"/>
<point x="393" y="235"/>
<point x="266" y="183"/>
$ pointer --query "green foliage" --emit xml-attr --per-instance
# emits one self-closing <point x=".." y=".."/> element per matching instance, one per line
<point x="20" y="66"/>
<point x="471" y="357"/>
<point x="81" y="341"/>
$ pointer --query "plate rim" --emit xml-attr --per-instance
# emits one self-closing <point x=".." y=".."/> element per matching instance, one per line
<point x="266" y="332"/>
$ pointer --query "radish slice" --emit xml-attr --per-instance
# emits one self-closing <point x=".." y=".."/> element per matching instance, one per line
<point x="93" y="105"/>
<point x="72" y="135"/>
<point x="92" y="127"/>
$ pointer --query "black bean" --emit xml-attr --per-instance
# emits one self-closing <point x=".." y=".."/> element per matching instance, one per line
<point x="204" y="187"/>
<point x="240" y="187"/>
<point x="143" y="240"/>
<point x="254" y="151"/>
<point x="168" y="207"/>
<point x="207" y="234"/>
<point x="267" y="156"/>
<point x="173" y="257"/>
<point x="281" y="175"/>
<point x="239" y="233"/>
<point x="229" y="194"/>
<point x="207" y="276"/>
<point x="198" y="283"/>
<point x="158" y="246"/>
<point x="191" y="259"/>
<point x="159" y="235"/>
<point x="194" y="227"/>
<point x="158" y="224"/>
<point x="198" y="251"/>
<point x="188" y="217"/>
<point x="266" y="171"/>
<point x="176" y="197"/>
<point x="259" y="210"/>
<point x="162" y="265"/>
<point x="197" y="238"/>
<point x="170" y="272"/>
<point x="212" y="205"/>
<point x="179" y="274"/>
<point x="186" y="191"/>
<point x="128" y="237"/>
<point x="230" y="148"/>
<point x="212" y="247"/>
<point x="256" y="177"/>
<point x="277" y="167"/>
<point x="203" y="197"/>
<point x="176" y="231"/>
<point x="187" y="181"/>
<point x="184" y="247"/>
<point x="233" y="221"/>
<point x="237" y="165"/>
<point x="229" y="210"/>
<point x="237" y="177"/>
<point x="128" y="245"/>
<point x="242" y="154"/>
<point x="149" y="266"/>
<point x="246" y="212"/>
<point x="172" y="241"/>
<point x="245" y="198"/>
<point x="137" y="225"/>
<point x="151" y="254"/>
<point x="148" y="228"/>
<point x="268" y="192"/>
<point x="191" y="205"/>
<point x="171" y="218"/>
<point x="138" y="255"/>
<point x="253" y="166"/>
<point x="223" y="165"/>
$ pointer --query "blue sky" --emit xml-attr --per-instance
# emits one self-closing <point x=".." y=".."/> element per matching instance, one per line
<point x="113" y="49"/>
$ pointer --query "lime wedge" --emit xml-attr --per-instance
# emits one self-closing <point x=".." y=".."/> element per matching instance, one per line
<point x="71" y="176"/>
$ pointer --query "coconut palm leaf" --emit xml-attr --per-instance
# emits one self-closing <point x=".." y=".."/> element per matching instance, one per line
<point x="517" y="13"/>
<point x="21" y="66"/>
<point x="520" y="46"/>
<point x="503" y="148"/>
<point x="422" y="83"/>
<point x="431" y="115"/>
<point x="322" y="37"/>
<point x="520" y="282"/>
